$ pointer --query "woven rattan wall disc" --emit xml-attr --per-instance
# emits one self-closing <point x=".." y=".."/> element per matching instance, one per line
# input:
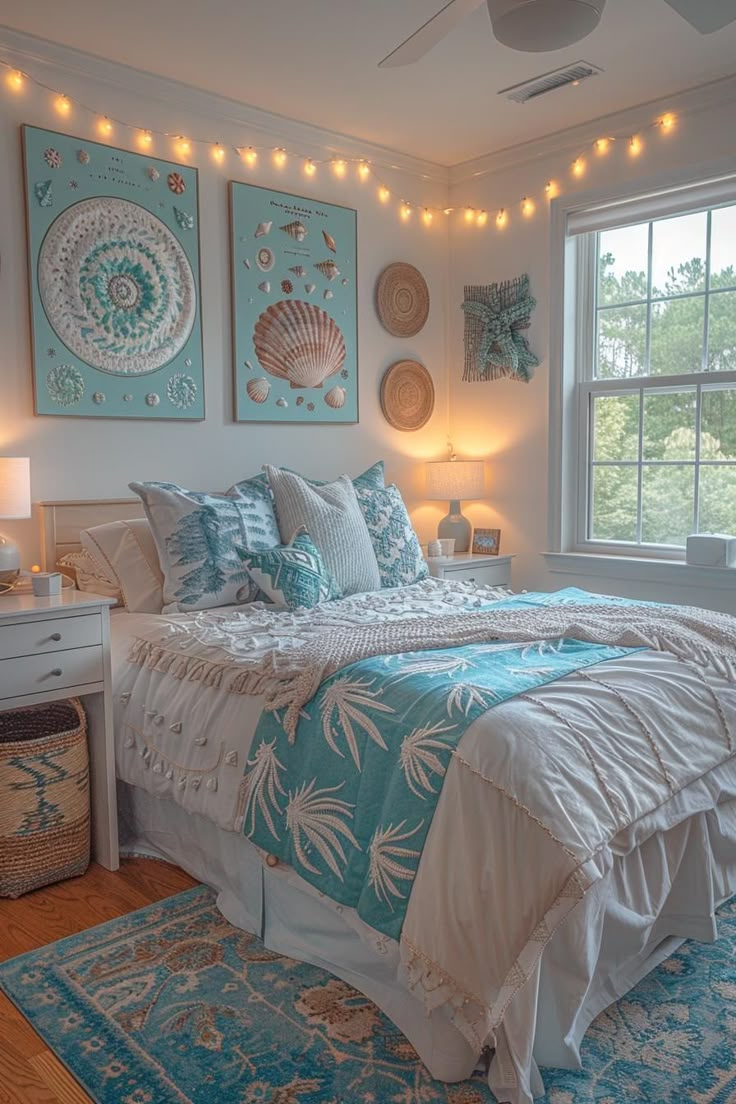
<point x="407" y="395"/>
<point x="402" y="299"/>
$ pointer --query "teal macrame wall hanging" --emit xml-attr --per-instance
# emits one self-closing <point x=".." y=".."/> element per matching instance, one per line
<point x="495" y="315"/>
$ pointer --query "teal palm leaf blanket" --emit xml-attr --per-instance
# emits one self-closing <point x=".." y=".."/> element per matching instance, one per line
<point x="349" y="803"/>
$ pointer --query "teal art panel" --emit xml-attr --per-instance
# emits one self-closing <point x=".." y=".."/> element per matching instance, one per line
<point x="113" y="240"/>
<point x="295" y="320"/>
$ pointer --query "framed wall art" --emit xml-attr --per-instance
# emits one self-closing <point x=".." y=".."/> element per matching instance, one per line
<point x="113" y="243"/>
<point x="295" y="319"/>
<point x="486" y="542"/>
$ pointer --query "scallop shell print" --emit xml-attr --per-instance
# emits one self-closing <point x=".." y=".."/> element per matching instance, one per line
<point x="296" y="230"/>
<point x="181" y="390"/>
<point x="117" y="286"/>
<point x="65" y="384"/>
<point x="299" y="342"/>
<point x="328" y="269"/>
<point x="258" y="389"/>
<point x="335" y="397"/>
<point x="329" y="241"/>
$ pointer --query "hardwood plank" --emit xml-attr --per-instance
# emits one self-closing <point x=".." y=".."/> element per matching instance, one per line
<point x="16" y="1032"/>
<point x="19" y="1082"/>
<point x="57" y="1077"/>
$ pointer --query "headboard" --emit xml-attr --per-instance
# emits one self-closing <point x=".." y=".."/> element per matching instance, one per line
<point x="62" y="522"/>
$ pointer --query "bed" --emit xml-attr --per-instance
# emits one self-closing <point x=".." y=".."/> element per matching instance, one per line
<point x="519" y="967"/>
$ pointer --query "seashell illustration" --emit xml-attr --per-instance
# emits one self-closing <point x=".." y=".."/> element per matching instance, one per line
<point x="188" y="362"/>
<point x="246" y="262"/>
<point x="258" y="389"/>
<point x="309" y="288"/>
<point x="127" y="398"/>
<point x="152" y="399"/>
<point x="329" y="241"/>
<point x="344" y="373"/>
<point x="248" y="365"/>
<point x="287" y="287"/>
<point x="300" y="400"/>
<point x="44" y="193"/>
<point x="296" y="230"/>
<point x="327" y="294"/>
<point x="176" y="183"/>
<point x="181" y="390"/>
<point x="262" y="229"/>
<point x="82" y="157"/>
<point x="344" y="281"/>
<point x="185" y="220"/>
<point x="153" y="173"/>
<point x="265" y="259"/>
<point x="336" y="397"/>
<point x="264" y="287"/>
<point x="298" y="270"/>
<point x="65" y="384"/>
<point x="299" y="342"/>
<point x="328" y="269"/>
<point x="282" y="403"/>
<point x="52" y="157"/>
<point x="98" y="398"/>
<point x="310" y="406"/>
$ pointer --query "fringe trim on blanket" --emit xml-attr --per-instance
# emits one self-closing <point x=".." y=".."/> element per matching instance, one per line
<point x="230" y="677"/>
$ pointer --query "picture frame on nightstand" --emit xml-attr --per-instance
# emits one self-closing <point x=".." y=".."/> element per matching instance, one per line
<point x="486" y="542"/>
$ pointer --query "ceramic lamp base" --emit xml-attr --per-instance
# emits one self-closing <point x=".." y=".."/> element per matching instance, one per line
<point x="9" y="561"/>
<point x="456" y="525"/>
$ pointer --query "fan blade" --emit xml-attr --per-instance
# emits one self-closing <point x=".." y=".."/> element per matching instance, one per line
<point x="705" y="16"/>
<point x="430" y="33"/>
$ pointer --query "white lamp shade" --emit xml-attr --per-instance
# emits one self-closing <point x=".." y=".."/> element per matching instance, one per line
<point x="15" y="487"/>
<point x="455" y="479"/>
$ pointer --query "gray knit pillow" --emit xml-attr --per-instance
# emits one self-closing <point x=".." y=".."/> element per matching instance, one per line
<point x="333" y="518"/>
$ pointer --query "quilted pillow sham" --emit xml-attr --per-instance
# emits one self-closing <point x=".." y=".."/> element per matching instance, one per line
<point x="292" y="575"/>
<point x="197" y="535"/>
<point x="397" y="548"/>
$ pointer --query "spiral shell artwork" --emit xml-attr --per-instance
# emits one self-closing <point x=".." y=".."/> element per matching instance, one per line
<point x="327" y="294"/>
<point x="287" y="287"/>
<point x="296" y="230"/>
<point x="335" y="397"/>
<point x="265" y="287"/>
<point x="262" y="229"/>
<point x="82" y="157"/>
<point x="258" y="389"/>
<point x="52" y="157"/>
<point x="152" y="399"/>
<point x="116" y="286"/>
<point x="44" y="193"/>
<point x="184" y="219"/>
<point x="299" y="342"/>
<point x="65" y="384"/>
<point x="309" y="288"/>
<point x="98" y="398"/>
<point x="298" y="270"/>
<point x="265" y="259"/>
<point x="328" y="269"/>
<point x="176" y="183"/>
<point x="329" y="241"/>
<point x="153" y="173"/>
<point x="181" y="390"/>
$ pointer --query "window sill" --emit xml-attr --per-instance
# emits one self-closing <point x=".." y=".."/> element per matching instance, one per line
<point x="640" y="569"/>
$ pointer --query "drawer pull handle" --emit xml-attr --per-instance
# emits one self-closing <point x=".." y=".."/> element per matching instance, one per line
<point x="471" y="579"/>
<point x="57" y="672"/>
<point x="56" y="636"/>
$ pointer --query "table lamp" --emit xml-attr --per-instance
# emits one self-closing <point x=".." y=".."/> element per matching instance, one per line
<point x="15" y="502"/>
<point x="455" y="480"/>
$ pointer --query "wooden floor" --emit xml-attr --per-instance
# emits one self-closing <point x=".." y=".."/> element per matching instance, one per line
<point x="29" y="1071"/>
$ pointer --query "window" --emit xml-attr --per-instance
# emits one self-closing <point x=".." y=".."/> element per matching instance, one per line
<point x="655" y="375"/>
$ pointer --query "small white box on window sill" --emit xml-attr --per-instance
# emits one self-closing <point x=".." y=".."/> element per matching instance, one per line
<point x="711" y="550"/>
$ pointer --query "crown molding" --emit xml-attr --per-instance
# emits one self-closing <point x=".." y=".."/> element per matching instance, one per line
<point x="571" y="139"/>
<point x="49" y="61"/>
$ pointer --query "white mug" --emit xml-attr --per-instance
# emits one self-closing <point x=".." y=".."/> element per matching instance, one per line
<point x="447" y="546"/>
<point x="434" y="548"/>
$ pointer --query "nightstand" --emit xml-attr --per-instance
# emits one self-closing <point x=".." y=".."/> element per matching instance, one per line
<point x="484" y="570"/>
<point x="59" y="647"/>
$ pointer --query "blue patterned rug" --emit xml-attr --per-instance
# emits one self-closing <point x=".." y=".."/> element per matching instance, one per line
<point x="171" y="1005"/>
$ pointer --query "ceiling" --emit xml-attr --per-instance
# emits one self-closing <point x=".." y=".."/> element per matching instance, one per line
<point x="316" y="61"/>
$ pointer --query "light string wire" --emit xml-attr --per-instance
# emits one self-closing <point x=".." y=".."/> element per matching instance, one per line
<point x="250" y="155"/>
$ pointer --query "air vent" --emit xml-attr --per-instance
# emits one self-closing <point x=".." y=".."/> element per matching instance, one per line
<point x="548" y="82"/>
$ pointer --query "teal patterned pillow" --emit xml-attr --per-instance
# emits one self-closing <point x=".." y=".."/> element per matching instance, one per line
<point x="371" y="477"/>
<point x="399" y="555"/>
<point x="197" y="535"/>
<point x="291" y="575"/>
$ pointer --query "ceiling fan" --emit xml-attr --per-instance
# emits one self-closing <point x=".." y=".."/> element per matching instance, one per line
<point x="540" y="25"/>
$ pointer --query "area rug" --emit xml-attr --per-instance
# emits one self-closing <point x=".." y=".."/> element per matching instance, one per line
<point x="172" y="1005"/>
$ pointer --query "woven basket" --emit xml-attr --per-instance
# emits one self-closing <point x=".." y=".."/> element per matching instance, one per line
<point x="44" y="796"/>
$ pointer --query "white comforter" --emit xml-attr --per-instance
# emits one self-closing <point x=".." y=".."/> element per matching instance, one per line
<point x="565" y="777"/>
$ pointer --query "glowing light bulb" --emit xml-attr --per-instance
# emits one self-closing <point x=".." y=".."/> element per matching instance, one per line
<point x="602" y="146"/>
<point x="469" y="214"/>
<point x="551" y="189"/>
<point x="339" y="168"/>
<point x="144" y="139"/>
<point x="309" y="167"/>
<point x="183" y="146"/>
<point x="427" y="217"/>
<point x="104" y="127"/>
<point x="482" y="218"/>
<point x="279" y="158"/>
<point x="218" y="153"/>
<point x="384" y="194"/>
<point x="635" y="145"/>
<point x="527" y="207"/>
<point x="405" y="211"/>
<point x="15" y="80"/>
<point x="364" y="170"/>
<point x="250" y="156"/>
<point x="667" y="122"/>
<point x="62" y="105"/>
<point x="502" y="218"/>
<point x="578" y="167"/>
<point x="35" y="569"/>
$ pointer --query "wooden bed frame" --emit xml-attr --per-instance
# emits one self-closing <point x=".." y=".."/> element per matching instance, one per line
<point x="62" y="522"/>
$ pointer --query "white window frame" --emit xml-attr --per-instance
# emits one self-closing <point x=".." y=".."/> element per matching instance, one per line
<point x="572" y="341"/>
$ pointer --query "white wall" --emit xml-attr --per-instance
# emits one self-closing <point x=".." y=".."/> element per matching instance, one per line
<point x="507" y="420"/>
<point x="88" y="458"/>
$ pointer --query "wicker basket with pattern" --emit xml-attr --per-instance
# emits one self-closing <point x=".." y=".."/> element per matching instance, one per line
<point x="44" y="796"/>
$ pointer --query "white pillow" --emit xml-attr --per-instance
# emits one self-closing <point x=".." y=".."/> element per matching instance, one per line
<point x="90" y="576"/>
<point x="127" y="552"/>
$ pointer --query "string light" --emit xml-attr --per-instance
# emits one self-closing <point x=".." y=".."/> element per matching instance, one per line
<point x="218" y="153"/>
<point x="527" y="207"/>
<point x="279" y="157"/>
<point x="183" y="146"/>
<point x="427" y="216"/>
<point x="15" y="80"/>
<point x="635" y="145"/>
<point x="551" y="189"/>
<point x="469" y="214"/>
<point x="364" y="170"/>
<point x="578" y="167"/>
<point x="62" y="104"/>
<point x="602" y="146"/>
<point x="249" y="156"/>
<point x="384" y="194"/>
<point x="501" y="218"/>
<point x="667" y="122"/>
<point x="482" y="218"/>
<point x="339" y="168"/>
<point x="405" y="211"/>
<point x="309" y="167"/>
<point x="104" y="127"/>
<point x="144" y="139"/>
